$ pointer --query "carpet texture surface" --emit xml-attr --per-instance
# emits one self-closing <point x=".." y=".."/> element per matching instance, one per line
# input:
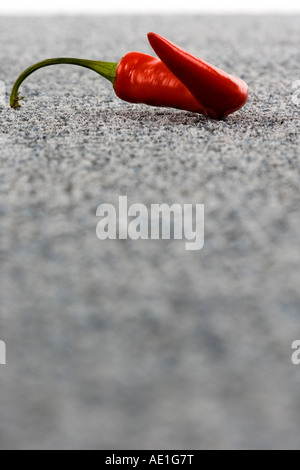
<point x="141" y="344"/>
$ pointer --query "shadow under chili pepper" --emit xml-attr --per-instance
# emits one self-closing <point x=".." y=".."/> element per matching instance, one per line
<point x="254" y="119"/>
<point x="173" y="118"/>
<point x="159" y="117"/>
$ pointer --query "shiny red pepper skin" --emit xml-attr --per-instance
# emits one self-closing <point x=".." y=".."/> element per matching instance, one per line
<point x="219" y="93"/>
<point x="141" y="78"/>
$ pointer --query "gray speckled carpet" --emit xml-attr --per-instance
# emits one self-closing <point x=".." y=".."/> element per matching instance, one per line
<point x="141" y="344"/>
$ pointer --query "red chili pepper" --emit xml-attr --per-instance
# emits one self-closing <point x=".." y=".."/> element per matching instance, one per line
<point x="137" y="78"/>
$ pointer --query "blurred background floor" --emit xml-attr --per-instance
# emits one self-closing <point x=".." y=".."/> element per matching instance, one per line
<point x="127" y="344"/>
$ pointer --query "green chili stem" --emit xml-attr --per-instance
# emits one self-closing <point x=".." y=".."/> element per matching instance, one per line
<point x="106" y="69"/>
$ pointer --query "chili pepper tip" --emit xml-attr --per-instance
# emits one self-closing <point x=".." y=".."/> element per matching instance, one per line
<point x="219" y="93"/>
